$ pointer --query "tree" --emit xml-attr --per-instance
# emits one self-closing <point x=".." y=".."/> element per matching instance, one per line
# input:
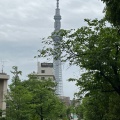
<point x="112" y="11"/>
<point x="114" y="107"/>
<point x="32" y="99"/>
<point x="45" y="104"/>
<point x="94" y="48"/>
<point x="17" y="98"/>
<point x="68" y="112"/>
<point x="96" y="106"/>
<point x="100" y="106"/>
<point x="79" y="112"/>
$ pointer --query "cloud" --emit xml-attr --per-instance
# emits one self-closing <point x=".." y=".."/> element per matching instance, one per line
<point x="75" y="11"/>
<point x="23" y="23"/>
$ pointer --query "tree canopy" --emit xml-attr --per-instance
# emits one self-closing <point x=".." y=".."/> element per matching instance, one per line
<point x="33" y="99"/>
<point x="94" y="48"/>
<point x="112" y="11"/>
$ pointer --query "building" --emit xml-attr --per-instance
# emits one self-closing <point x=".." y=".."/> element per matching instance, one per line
<point x="45" y="71"/>
<point x="57" y="62"/>
<point x="3" y="90"/>
<point x="65" y="100"/>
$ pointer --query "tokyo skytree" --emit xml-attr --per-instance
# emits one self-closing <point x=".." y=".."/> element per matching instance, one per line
<point x="57" y="62"/>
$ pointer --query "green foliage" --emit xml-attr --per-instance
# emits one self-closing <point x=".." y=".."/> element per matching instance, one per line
<point x="17" y="99"/>
<point x="32" y="99"/>
<point x="112" y="11"/>
<point x="45" y="102"/>
<point x="100" y="106"/>
<point x="96" y="49"/>
<point x="94" y="108"/>
<point x="114" y="107"/>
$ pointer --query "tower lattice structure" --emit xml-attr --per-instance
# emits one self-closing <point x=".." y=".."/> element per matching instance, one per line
<point x="57" y="62"/>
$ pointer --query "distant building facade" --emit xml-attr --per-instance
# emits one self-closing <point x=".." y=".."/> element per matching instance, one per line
<point x="3" y="90"/>
<point x="45" y="71"/>
<point x="65" y="100"/>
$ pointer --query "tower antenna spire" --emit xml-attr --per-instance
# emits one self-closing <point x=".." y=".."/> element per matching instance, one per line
<point x="57" y="4"/>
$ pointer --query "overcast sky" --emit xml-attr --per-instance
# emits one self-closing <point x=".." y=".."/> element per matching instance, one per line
<point x="24" y="22"/>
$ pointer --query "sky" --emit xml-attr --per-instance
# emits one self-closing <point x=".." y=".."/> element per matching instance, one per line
<point x="23" y="24"/>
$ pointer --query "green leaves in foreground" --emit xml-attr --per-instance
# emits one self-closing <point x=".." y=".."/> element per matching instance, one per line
<point x="32" y="99"/>
<point x="94" y="48"/>
<point x="112" y="10"/>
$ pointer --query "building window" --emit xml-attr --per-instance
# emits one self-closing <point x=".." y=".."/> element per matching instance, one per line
<point x="42" y="71"/>
<point x="42" y="78"/>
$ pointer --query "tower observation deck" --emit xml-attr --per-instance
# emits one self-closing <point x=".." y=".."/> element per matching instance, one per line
<point x="57" y="62"/>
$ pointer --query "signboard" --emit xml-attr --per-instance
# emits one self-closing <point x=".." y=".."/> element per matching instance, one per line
<point x="46" y="64"/>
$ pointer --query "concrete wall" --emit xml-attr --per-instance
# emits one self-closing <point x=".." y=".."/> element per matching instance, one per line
<point x="48" y="70"/>
<point x="3" y="90"/>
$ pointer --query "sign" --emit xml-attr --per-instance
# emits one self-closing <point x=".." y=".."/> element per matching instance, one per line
<point x="46" y="64"/>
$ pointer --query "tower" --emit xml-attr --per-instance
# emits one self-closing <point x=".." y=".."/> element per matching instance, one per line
<point x="57" y="62"/>
<point x="3" y="90"/>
